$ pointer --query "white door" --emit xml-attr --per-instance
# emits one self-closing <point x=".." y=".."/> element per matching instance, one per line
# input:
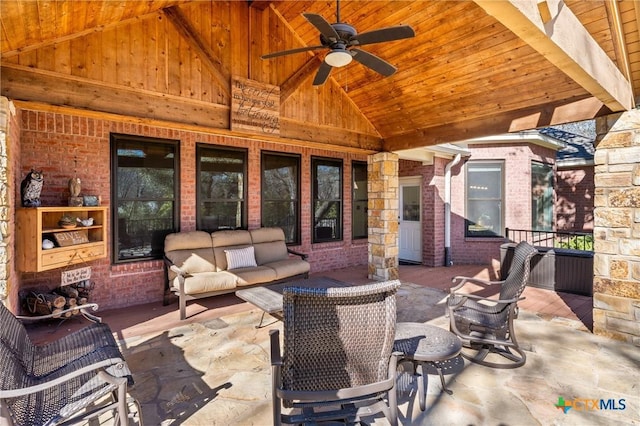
<point x="410" y="219"/>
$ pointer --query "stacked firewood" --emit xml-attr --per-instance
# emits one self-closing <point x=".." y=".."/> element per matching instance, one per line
<point x="59" y="300"/>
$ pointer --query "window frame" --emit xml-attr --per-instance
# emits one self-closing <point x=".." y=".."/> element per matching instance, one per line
<point x="550" y="171"/>
<point x="467" y="222"/>
<point x="297" y="201"/>
<point x="355" y="164"/>
<point x="315" y="162"/>
<point x="203" y="147"/>
<point x="115" y="140"/>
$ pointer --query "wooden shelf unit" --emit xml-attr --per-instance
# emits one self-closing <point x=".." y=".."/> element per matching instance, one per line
<point x="39" y="223"/>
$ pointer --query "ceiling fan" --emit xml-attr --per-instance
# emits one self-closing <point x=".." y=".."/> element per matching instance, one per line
<point x="343" y="42"/>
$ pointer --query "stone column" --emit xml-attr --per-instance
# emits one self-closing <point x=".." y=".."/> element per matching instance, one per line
<point x="5" y="198"/>
<point x="616" y="285"/>
<point x="383" y="216"/>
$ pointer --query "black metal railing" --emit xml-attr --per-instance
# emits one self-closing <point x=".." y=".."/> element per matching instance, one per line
<point x="552" y="239"/>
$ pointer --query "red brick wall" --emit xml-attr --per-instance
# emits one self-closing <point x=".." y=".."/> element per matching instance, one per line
<point x="574" y="189"/>
<point x="517" y="198"/>
<point x="65" y="145"/>
<point x="517" y="201"/>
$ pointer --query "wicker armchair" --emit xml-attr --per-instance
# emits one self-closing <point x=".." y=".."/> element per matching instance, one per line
<point x="486" y="324"/>
<point x="338" y="362"/>
<point x="79" y="376"/>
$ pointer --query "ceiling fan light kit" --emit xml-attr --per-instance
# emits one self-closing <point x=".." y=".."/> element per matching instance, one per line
<point x="343" y="41"/>
<point x="338" y="58"/>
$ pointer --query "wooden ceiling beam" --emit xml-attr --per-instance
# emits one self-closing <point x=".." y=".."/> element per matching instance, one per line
<point x="504" y="122"/>
<point x="568" y="45"/>
<point x="617" y="37"/>
<point x="297" y="78"/>
<point x="186" y="30"/>
<point x="24" y="83"/>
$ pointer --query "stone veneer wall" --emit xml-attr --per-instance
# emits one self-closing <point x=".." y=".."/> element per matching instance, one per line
<point x="5" y="194"/>
<point x="383" y="190"/>
<point x="616" y="299"/>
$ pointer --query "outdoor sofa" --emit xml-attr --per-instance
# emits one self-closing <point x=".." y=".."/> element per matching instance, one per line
<point x="200" y="264"/>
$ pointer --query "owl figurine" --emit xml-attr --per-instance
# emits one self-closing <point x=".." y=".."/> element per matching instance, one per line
<point x="74" y="186"/>
<point x="31" y="187"/>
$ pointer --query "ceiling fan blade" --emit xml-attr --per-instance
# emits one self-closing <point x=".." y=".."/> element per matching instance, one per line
<point x="372" y="61"/>
<point x="383" y="34"/>
<point x="323" y="26"/>
<point x="288" y="52"/>
<point x="323" y="73"/>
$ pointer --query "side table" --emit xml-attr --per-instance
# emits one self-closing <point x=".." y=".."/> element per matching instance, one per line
<point x="426" y="344"/>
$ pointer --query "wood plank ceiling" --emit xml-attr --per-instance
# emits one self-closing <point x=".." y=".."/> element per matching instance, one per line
<point x="473" y="69"/>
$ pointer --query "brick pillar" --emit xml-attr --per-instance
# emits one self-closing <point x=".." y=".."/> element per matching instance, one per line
<point x="383" y="216"/>
<point x="616" y="285"/>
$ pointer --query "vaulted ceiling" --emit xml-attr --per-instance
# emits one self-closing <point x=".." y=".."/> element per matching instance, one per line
<point x="474" y="68"/>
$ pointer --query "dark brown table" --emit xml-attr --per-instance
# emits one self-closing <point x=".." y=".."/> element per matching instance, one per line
<point x="426" y="344"/>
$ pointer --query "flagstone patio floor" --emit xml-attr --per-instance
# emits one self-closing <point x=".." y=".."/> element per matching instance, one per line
<point x="213" y="368"/>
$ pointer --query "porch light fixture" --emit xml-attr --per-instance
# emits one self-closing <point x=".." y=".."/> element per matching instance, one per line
<point x="338" y="58"/>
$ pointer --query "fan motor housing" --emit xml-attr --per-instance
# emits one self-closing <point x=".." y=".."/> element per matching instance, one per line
<point x="345" y="31"/>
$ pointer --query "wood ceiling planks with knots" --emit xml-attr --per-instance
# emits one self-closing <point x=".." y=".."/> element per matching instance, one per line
<point x="464" y="72"/>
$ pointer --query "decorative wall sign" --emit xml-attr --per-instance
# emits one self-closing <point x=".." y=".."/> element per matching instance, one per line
<point x="75" y="275"/>
<point x="70" y="238"/>
<point x="255" y="107"/>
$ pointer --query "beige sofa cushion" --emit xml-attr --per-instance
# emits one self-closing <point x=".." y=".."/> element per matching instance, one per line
<point x="187" y="240"/>
<point x="269" y="245"/>
<point x="255" y="275"/>
<point x="228" y="240"/>
<point x="289" y="267"/>
<point x="209" y="281"/>
<point x="190" y="251"/>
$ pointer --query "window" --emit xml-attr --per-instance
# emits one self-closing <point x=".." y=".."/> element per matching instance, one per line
<point x="281" y="194"/>
<point x="145" y="195"/>
<point x="541" y="196"/>
<point x="327" y="199"/>
<point x="359" y="200"/>
<point x="222" y="183"/>
<point x="484" y="199"/>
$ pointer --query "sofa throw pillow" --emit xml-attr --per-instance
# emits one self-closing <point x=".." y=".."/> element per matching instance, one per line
<point x="241" y="258"/>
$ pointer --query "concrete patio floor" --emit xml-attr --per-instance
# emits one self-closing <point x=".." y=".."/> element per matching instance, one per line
<point x="213" y="368"/>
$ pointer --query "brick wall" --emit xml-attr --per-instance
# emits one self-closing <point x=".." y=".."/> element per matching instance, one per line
<point x="517" y="175"/>
<point x="517" y="198"/>
<point x="69" y="143"/>
<point x="574" y="205"/>
<point x="616" y="284"/>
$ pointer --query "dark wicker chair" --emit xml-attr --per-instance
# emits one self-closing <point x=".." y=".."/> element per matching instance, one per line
<point x="77" y="377"/>
<point x="338" y="363"/>
<point x="486" y="324"/>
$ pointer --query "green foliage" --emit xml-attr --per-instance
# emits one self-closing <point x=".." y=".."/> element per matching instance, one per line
<point x="577" y="242"/>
